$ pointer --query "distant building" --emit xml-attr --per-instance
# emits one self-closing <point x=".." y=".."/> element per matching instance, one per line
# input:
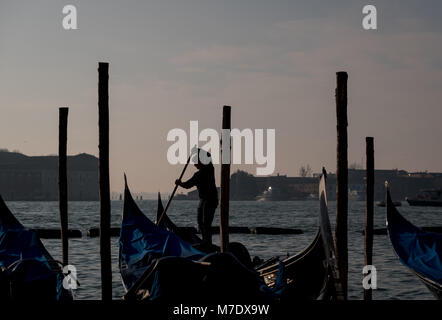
<point x="244" y="186"/>
<point x="287" y="188"/>
<point x="36" y="178"/>
<point x="402" y="183"/>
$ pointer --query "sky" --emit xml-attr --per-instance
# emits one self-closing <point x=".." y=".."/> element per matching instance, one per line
<point x="274" y="62"/>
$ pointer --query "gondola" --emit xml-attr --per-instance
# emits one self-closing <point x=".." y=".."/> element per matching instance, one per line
<point x="418" y="250"/>
<point x="27" y="270"/>
<point x="312" y="271"/>
<point x="307" y="275"/>
<point x="156" y="263"/>
<point x="308" y="262"/>
<point x="141" y="242"/>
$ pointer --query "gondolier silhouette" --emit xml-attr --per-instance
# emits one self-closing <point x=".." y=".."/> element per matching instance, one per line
<point x="204" y="180"/>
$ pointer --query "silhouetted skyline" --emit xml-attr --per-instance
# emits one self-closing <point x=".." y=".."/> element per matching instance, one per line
<point x="176" y="61"/>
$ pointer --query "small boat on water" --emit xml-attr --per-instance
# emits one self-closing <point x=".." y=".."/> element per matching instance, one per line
<point x="27" y="270"/>
<point x="355" y="195"/>
<point x="273" y="194"/>
<point x="181" y="196"/>
<point x="384" y="203"/>
<point x="418" y="250"/>
<point x="147" y="250"/>
<point x="427" y="198"/>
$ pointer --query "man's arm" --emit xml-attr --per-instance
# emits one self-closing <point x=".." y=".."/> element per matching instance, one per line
<point x="192" y="182"/>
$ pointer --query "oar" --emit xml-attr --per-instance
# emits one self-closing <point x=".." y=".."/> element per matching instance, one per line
<point x="173" y="193"/>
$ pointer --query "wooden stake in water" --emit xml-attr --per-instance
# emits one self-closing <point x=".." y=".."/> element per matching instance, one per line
<point x="105" y="207"/>
<point x="342" y="180"/>
<point x="225" y="180"/>
<point x="62" y="180"/>
<point x="369" y="209"/>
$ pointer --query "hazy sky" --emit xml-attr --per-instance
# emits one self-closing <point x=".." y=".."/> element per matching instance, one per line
<point x="273" y="61"/>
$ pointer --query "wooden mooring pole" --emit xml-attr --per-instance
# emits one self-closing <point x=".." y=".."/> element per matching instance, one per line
<point x="342" y="180"/>
<point x="369" y="209"/>
<point x="63" y="180"/>
<point x="225" y="179"/>
<point x="103" y="163"/>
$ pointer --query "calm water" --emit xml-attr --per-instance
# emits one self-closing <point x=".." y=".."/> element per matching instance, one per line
<point x="394" y="280"/>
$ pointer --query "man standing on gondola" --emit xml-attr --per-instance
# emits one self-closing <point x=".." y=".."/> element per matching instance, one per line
<point x="204" y="180"/>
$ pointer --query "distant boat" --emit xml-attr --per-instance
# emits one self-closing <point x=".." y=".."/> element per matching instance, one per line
<point x="272" y="194"/>
<point x="180" y="196"/>
<point x="427" y="198"/>
<point x="313" y="196"/>
<point x="355" y="195"/>
<point x="384" y="204"/>
<point x="418" y="250"/>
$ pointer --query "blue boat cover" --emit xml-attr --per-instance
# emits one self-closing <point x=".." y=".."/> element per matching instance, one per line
<point x="141" y="242"/>
<point x="21" y="248"/>
<point x="417" y="249"/>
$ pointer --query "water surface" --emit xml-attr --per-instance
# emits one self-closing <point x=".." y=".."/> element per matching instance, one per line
<point x="394" y="280"/>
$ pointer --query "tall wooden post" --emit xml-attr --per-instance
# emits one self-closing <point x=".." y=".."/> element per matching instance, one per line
<point x="105" y="208"/>
<point x="342" y="180"/>
<point x="369" y="209"/>
<point x="62" y="180"/>
<point x="225" y="179"/>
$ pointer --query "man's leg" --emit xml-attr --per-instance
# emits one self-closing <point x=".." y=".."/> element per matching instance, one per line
<point x="201" y="217"/>
<point x="209" y="212"/>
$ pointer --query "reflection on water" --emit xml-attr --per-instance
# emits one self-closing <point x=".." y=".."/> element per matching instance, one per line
<point x="394" y="280"/>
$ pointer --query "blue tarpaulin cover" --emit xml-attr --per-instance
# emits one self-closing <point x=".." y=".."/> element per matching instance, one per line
<point x="417" y="249"/>
<point x="21" y="248"/>
<point x="141" y="242"/>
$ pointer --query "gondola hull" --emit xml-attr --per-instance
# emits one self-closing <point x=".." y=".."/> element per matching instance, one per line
<point x="435" y="289"/>
<point x="418" y="250"/>
<point x="305" y="272"/>
<point x="313" y="271"/>
<point x="141" y="242"/>
<point x="27" y="270"/>
<point x="156" y="262"/>
<point x="304" y="276"/>
<point x="306" y="269"/>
